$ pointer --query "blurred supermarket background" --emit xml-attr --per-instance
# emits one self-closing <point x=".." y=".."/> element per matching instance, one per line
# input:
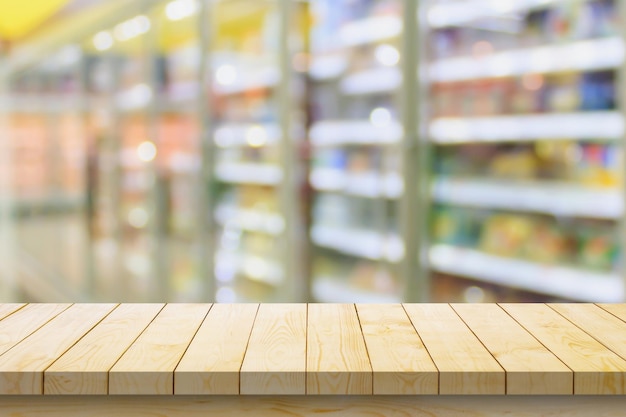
<point x="321" y="150"/>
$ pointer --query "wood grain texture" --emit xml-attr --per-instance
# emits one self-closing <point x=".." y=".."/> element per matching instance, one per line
<point x="147" y="367"/>
<point x="618" y="310"/>
<point x="22" y="368"/>
<point x="400" y="363"/>
<point x="530" y="368"/>
<point x="84" y="368"/>
<point x="9" y="308"/>
<point x="465" y="366"/>
<point x="17" y="326"/>
<point x="275" y="361"/>
<point x="212" y="362"/>
<point x="312" y="406"/>
<point x="337" y="360"/>
<point x="597" y="370"/>
<point x="598" y="323"/>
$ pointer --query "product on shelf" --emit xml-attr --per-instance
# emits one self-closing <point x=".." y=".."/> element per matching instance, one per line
<point x="586" y="244"/>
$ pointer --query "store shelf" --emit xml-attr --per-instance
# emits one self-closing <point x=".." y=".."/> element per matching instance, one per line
<point x="137" y="97"/>
<point x="363" y="184"/>
<point x="255" y="268"/>
<point x="358" y="132"/>
<point x="588" y="55"/>
<point x="558" y="281"/>
<point x="249" y="80"/>
<point x="358" y="242"/>
<point x="247" y="134"/>
<point x="183" y="92"/>
<point x="559" y="199"/>
<point x="370" y="30"/>
<point x="327" y="67"/>
<point x="373" y="81"/>
<point x="250" y="220"/>
<point x="333" y="290"/>
<point x="249" y="173"/>
<point x="458" y="13"/>
<point x="592" y="125"/>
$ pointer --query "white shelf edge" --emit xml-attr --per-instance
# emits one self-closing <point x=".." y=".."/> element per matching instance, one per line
<point x="558" y="281"/>
<point x="450" y="14"/>
<point x="361" y="243"/>
<point x="254" y="268"/>
<point x="249" y="173"/>
<point x="586" y="55"/>
<point x="378" y="80"/>
<point x="559" y="199"/>
<point x="250" y="80"/>
<point x="358" y="132"/>
<point x="332" y="290"/>
<point x="369" y="184"/>
<point x="250" y="220"/>
<point x="237" y="134"/>
<point x="592" y="125"/>
<point x="370" y="30"/>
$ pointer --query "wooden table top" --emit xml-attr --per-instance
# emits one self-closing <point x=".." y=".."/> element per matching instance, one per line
<point x="296" y="349"/>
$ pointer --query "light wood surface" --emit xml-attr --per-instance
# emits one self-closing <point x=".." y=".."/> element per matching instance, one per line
<point x="275" y="361"/>
<point x="465" y="366"/>
<point x="598" y="323"/>
<point x="21" y="368"/>
<point x="312" y="406"/>
<point x="597" y="370"/>
<point x="147" y="367"/>
<point x="212" y="362"/>
<point x="618" y="310"/>
<point x="7" y="309"/>
<point x="400" y="362"/>
<point x="337" y="359"/>
<point x="84" y="369"/>
<point x="531" y="369"/>
<point x="14" y="328"/>
<point x="298" y="349"/>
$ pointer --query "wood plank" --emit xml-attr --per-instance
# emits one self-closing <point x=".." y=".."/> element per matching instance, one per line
<point x="597" y="370"/>
<point x="22" y="368"/>
<point x="598" y="323"/>
<point x="9" y="308"/>
<point x="465" y="366"/>
<point x="84" y="368"/>
<point x="275" y="361"/>
<point x="400" y="363"/>
<point x="212" y="362"/>
<point x="531" y="369"/>
<point x="17" y="326"/>
<point x="618" y="310"/>
<point x="147" y="367"/>
<point x="313" y="406"/>
<point x="337" y="360"/>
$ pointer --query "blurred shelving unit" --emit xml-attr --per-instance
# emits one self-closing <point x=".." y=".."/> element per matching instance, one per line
<point x="355" y="135"/>
<point x="256" y="133"/>
<point x="526" y="125"/>
<point x="336" y="151"/>
<point x="44" y="131"/>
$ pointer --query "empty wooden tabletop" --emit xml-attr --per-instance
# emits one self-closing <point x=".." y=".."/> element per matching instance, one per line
<point x="310" y="349"/>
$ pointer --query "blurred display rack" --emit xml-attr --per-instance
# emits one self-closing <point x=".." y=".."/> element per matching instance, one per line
<point x="187" y="98"/>
<point x="573" y="56"/>
<point x="557" y="281"/>
<point x="558" y="199"/>
<point x="384" y="188"/>
<point x="269" y="75"/>
<point x="544" y="197"/>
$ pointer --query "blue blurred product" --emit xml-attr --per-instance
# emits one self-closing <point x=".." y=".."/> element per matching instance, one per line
<point x="597" y="91"/>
